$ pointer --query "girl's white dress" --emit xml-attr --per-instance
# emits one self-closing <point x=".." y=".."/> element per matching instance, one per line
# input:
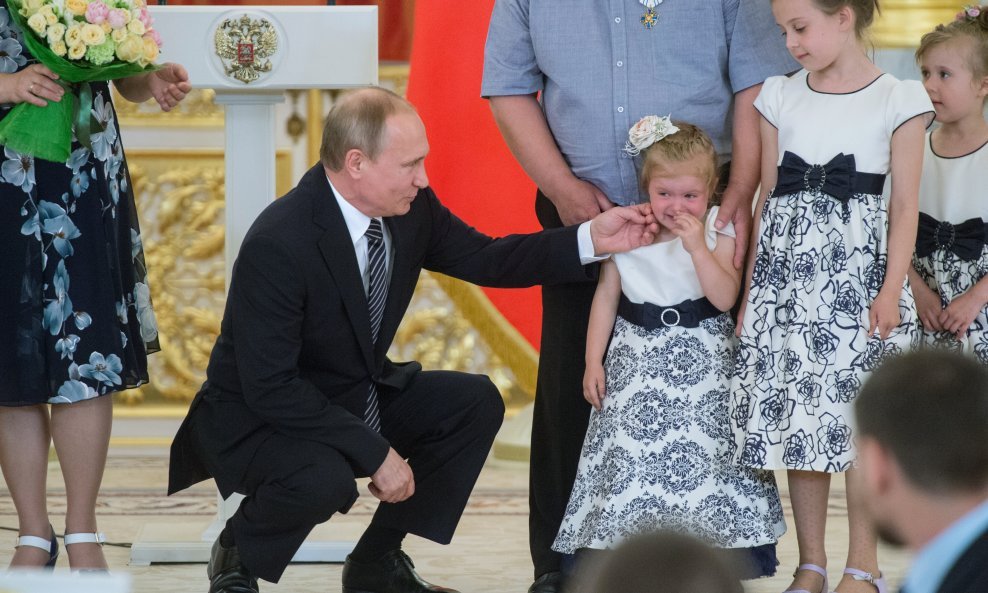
<point x="805" y="348"/>
<point x="953" y="191"/>
<point x="659" y="454"/>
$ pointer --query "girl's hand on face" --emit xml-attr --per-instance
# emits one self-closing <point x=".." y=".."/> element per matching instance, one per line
<point x="884" y="316"/>
<point x="689" y="228"/>
<point x="593" y="385"/>
<point x="959" y="314"/>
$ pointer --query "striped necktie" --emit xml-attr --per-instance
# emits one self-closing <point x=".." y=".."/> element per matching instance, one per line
<point x="377" y="295"/>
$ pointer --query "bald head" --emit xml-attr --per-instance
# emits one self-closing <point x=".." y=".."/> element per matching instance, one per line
<point x="357" y="121"/>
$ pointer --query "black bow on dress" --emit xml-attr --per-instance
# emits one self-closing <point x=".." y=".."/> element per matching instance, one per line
<point x="835" y="179"/>
<point x="966" y="240"/>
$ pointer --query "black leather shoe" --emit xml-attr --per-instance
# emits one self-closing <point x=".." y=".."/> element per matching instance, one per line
<point x="226" y="573"/>
<point x="392" y="573"/>
<point x="550" y="582"/>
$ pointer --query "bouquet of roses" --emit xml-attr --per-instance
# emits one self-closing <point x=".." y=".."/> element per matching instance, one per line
<point x="80" y="41"/>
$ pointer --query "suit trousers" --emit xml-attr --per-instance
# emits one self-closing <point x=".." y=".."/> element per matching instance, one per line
<point x="561" y="414"/>
<point x="443" y="423"/>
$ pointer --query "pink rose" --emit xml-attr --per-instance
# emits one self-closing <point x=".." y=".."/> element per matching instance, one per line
<point x="145" y="17"/>
<point x="97" y="12"/>
<point x="155" y="36"/>
<point x="118" y="18"/>
<point x="973" y="11"/>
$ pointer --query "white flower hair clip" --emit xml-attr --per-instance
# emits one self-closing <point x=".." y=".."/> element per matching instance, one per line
<point x="649" y="130"/>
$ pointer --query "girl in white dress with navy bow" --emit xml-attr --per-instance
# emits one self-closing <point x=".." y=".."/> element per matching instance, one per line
<point x="827" y="298"/>
<point x="950" y="270"/>
<point x="658" y="451"/>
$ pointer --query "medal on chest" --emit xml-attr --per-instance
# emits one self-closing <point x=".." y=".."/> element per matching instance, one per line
<point x="650" y="17"/>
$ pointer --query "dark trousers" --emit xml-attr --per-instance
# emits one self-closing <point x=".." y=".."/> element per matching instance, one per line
<point x="443" y="423"/>
<point x="561" y="414"/>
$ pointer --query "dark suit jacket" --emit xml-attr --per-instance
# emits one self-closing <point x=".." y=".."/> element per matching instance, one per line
<point x="295" y="354"/>
<point x="970" y="573"/>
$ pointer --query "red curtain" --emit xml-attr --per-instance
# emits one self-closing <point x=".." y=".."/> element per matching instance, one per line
<point x="469" y="165"/>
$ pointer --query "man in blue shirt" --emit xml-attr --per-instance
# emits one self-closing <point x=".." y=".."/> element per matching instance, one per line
<point x="600" y="65"/>
<point x="923" y="451"/>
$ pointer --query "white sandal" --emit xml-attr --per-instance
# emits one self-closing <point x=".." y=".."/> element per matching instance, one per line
<point x="86" y="538"/>
<point x="50" y="546"/>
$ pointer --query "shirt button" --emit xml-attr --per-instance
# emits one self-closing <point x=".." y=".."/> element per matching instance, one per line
<point x="620" y="109"/>
<point x="617" y="19"/>
<point x="620" y="63"/>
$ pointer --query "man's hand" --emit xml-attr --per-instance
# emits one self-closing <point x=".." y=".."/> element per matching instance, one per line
<point x="736" y="207"/>
<point x="623" y="229"/>
<point x="393" y="481"/>
<point x="579" y="201"/>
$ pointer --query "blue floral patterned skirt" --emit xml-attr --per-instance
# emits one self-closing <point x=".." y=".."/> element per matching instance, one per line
<point x="75" y="310"/>
<point x="660" y="454"/>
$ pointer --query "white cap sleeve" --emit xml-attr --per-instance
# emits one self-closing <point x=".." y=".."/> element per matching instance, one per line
<point x="769" y="99"/>
<point x="907" y="100"/>
<point x="711" y="230"/>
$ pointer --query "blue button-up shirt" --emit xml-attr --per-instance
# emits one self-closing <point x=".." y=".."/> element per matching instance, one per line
<point x="600" y="70"/>
<point x="936" y="559"/>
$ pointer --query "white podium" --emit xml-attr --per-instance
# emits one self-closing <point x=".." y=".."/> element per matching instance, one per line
<point x="250" y="55"/>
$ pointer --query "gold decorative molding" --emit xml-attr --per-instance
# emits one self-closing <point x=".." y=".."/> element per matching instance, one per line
<point x="903" y="22"/>
<point x="197" y="110"/>
<point x="180" y="202"/>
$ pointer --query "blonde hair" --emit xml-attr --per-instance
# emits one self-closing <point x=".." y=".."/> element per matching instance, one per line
<point x="689" y="142"/>
<point x="975" y="28"/>
<point x="357" y="121"/>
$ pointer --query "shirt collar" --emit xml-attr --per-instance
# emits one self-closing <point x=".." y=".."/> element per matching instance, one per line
<point x="936" y="559"/>
<point x="356" y="221"/>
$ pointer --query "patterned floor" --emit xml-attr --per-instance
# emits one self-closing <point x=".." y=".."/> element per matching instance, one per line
<point x="488" y="555"/>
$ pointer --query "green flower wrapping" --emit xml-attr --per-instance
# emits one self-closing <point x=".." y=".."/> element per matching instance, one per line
<point x="46" y="132"/>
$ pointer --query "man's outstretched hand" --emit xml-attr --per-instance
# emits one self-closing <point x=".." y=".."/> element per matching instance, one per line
<point x="623" y="229"/>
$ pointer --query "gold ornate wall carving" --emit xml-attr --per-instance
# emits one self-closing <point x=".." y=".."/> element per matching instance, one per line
<point x="903" y="22"/>
<point x="180" y="201"/>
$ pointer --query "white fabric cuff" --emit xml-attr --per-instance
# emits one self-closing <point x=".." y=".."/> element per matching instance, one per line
<point x="586" y="245"/>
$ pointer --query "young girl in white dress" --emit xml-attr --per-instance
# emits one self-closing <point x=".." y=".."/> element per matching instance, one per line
<point x="826" y="293"/>
<point x="951" y="264"/>
<point x="658" y="451"/>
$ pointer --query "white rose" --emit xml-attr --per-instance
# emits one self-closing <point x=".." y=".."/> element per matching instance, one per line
<point x="73" y="35"/>
<point x="55" y="33"/>
<point x="136" y="27"/>
<point x="59" y="48"/>
<point x="76" y="52"/>
<point x="37" y="23"/>
<point x="649" y="130"/>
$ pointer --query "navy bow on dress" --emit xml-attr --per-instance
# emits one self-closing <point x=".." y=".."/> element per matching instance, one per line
<point x="966" y="240"/>
<point x="835" y="179"/>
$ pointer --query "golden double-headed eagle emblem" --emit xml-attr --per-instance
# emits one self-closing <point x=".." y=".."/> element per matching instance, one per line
<point x="245" y="46"/>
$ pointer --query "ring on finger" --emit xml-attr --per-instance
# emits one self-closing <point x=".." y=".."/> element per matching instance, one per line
<point x="30" y="89"/>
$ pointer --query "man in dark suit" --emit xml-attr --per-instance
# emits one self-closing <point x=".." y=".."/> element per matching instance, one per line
<point x="300" y="397"/>
<point x="923" y="452"/>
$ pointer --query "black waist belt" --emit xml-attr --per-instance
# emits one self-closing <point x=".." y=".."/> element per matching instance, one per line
<point x="688" y="313"/>
<point x="966" y="240"/>
<point x="837" y="178"/>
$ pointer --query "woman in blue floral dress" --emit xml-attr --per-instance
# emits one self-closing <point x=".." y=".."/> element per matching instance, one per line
<point x="76" y="322"/>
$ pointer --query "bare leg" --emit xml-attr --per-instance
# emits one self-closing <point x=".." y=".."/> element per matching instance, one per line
<point x="862" y="551"/>
<point x="809" y="492"/>
<point x="24" y="445"/>
<point x="81" y="432"/>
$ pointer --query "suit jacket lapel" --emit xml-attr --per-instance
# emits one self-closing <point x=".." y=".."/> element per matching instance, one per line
<point x="341" y="259"/>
